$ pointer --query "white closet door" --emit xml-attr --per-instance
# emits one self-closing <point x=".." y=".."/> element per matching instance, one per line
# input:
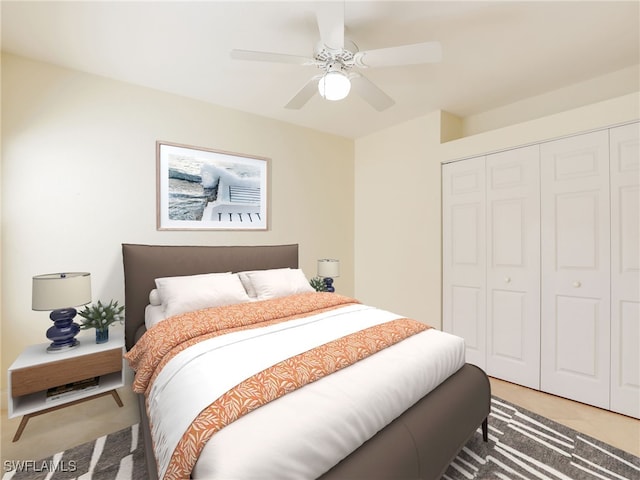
<point x="625" y="269"/>
<point x="575" y="314"/>
<point x="463" y="256"/>
<point x="513" y="265"/>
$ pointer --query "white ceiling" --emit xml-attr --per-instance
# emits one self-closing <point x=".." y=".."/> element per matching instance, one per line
<point x="494" y="53"/>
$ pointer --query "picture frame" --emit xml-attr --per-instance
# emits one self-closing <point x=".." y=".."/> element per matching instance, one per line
<point x="205" y="189"/>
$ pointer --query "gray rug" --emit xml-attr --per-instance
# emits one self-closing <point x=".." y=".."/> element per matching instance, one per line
<point x="117" y="456"/>
<point x="522" y="445"/>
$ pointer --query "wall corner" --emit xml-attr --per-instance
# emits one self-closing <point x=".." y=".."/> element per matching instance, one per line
<point x="451" y="127"/>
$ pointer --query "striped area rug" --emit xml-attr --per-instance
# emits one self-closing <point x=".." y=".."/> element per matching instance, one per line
<point x="523" y="445"/>
<point x="117" y="456"/>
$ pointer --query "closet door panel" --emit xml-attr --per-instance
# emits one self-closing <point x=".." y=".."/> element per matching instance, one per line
<point x="513" y="266"/>
<point x="625" y="269"/>
<point x="463" y="253"/>
<point x="467" y="321"/>
<point x="576" y="323"/>
<point x="508" y="325"/>
<point x="575" y="316"/>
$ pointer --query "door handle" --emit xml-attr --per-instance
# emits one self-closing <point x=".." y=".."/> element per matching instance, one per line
<point x="577" y="284"/>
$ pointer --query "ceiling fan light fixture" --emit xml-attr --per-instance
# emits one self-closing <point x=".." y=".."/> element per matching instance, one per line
<point x="334" y="85"/>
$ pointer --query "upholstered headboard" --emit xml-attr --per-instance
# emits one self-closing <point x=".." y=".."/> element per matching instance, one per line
<point x="144" y="263"/>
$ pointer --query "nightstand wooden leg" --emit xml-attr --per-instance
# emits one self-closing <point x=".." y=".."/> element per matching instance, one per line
<point x="25" y="419"/>
<point x="23" y="423"/>
<point x="116" y="397"/>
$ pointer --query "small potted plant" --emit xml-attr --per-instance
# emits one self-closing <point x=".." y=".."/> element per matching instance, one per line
<point x="318" y="284"/>
<point x="100" y="317"/>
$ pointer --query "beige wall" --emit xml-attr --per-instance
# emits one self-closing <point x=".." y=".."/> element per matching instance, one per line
<point x="78" y="179"/>
<point x="615" y="84"/>
<point x="597" y="115"/>
<point x="397" y="215"/>
<point x="398" y="196"/>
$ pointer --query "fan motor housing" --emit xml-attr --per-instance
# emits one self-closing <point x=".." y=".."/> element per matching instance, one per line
<point x="329" y="55"/>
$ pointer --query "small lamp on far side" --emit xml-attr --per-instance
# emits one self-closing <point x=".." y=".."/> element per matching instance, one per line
<point x="328" y="269"/>
<point x="61" y="292"/>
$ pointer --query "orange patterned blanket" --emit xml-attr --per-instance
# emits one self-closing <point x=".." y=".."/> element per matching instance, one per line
<point x="161" y="343"/>
<point x="267" y="385"/>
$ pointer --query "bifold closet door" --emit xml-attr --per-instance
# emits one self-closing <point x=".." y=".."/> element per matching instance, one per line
<point x="625" y="269"/>
<point x="463" y="255"/>
<point x="513" y="265"/>
<point x="575" y="315"/>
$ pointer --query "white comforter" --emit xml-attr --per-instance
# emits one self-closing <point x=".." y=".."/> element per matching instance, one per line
<point x="304" y="433"/>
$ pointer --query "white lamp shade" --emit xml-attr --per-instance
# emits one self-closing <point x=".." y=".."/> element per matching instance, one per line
<point x="328" y="267"/>
<point x="53" y="291"/>
<point x="334" y="85"/>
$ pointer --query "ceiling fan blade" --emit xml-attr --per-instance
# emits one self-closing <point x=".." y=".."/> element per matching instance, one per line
<point x="427" y="52"/>
<point x="305" y="94"/>
<point x="272" y="57"/>
<point x="330" y="16"/>
<point x="370" y="92"/>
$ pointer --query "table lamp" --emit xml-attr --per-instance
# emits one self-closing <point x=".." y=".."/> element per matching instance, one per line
<point x="61" y="292"/>
<point x="328" y="269"/>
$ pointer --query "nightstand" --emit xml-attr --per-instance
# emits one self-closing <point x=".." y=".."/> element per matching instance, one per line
<point x="41" y="382"/>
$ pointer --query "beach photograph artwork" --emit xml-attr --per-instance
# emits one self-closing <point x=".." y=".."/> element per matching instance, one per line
<point x="208" y="189"/>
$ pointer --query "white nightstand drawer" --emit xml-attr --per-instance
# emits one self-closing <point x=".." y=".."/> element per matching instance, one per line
<point x="35" y="374"/>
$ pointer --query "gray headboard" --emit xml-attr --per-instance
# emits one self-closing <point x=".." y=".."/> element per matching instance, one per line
<point x="144" y="263"/>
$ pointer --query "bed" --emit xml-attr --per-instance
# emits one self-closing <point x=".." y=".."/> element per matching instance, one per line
<point x="418" y="444"/>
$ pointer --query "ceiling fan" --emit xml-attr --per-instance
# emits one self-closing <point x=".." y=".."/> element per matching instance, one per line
<point x="338" y="59"/>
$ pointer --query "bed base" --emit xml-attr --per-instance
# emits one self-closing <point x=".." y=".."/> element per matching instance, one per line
<point x="419" y="444"/>
<point x="422" y="442"/>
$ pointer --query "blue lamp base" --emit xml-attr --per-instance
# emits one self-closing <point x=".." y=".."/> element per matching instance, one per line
<point x="62" y="333"/>
<point x="328" y="284"/>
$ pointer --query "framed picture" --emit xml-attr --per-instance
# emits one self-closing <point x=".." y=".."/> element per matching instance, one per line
<point x="203" y="189"/>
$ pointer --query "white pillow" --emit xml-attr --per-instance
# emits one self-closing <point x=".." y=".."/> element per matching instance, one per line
<point x="245" y="278"/>
<point x="194" y="292"/>
<point x="279" y="283"/>
<point x="153" y="314"/>
<point x="154" y="298"/>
